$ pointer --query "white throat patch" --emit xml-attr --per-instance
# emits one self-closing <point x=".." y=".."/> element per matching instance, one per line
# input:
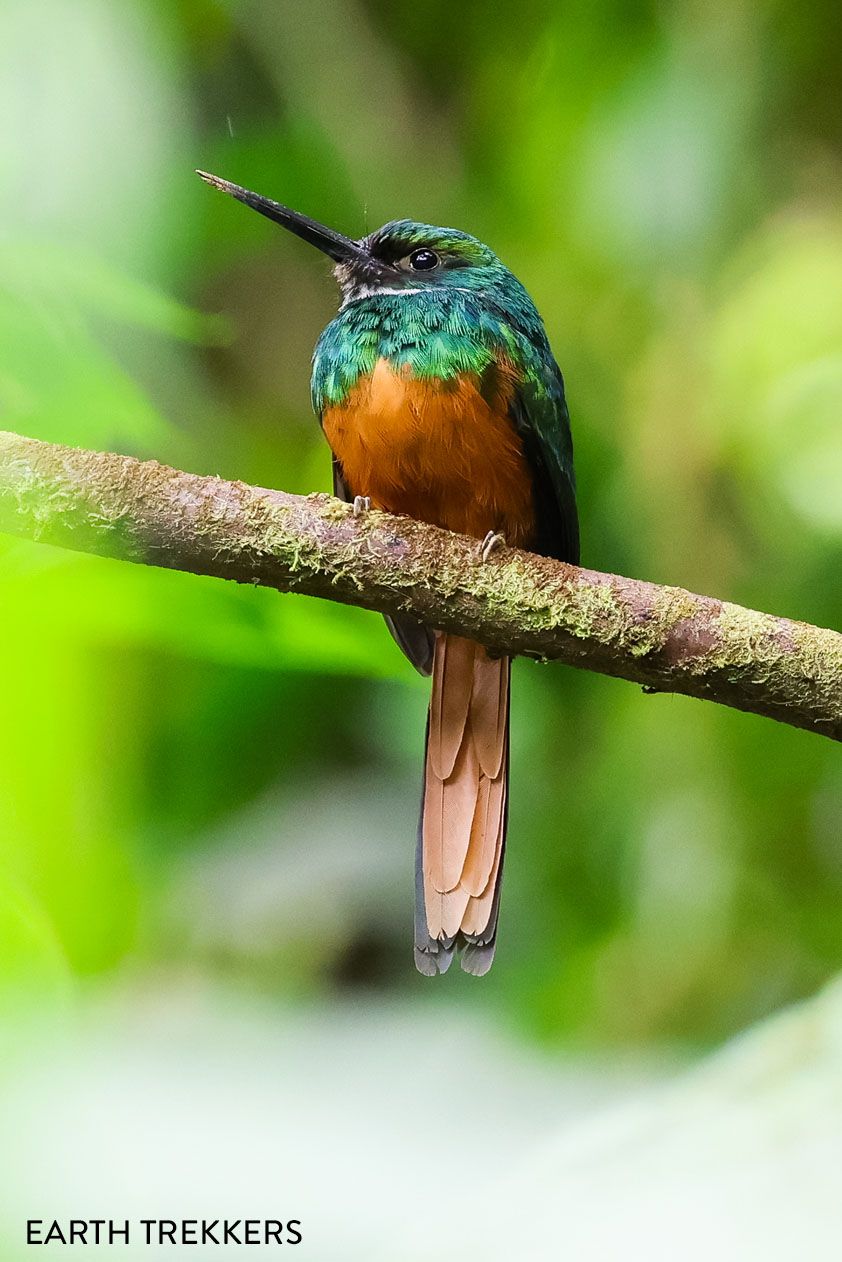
<point x="371" y="291"/>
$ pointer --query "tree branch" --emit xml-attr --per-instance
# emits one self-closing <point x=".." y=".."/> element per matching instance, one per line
<point x="664" y="638"/>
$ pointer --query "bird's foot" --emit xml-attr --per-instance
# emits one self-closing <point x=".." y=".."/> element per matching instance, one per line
<point x="362" y="503"/>
<point x="491" y="543"/>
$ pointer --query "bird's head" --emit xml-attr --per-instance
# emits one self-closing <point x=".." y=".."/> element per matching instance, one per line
<point x="402" y="256"/>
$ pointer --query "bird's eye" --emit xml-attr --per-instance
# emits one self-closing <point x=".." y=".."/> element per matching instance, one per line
<point x="423" y="260"/>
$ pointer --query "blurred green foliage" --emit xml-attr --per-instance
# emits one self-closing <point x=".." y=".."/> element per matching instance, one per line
<point x="216" y="780"/>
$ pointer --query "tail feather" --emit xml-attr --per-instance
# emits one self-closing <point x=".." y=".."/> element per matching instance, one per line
<point x="449" y="808"/>
<point x="486" y="842"/>
<point x="462" y="830"/>
<point x="450" y="706"/>
<point x="489" y="711"/>
<point x="477" y="913"/>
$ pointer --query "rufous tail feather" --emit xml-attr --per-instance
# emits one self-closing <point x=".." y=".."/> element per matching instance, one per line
<point x="462" y="830"/>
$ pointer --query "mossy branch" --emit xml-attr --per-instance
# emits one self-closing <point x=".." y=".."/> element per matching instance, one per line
<point x="663" y="638"/>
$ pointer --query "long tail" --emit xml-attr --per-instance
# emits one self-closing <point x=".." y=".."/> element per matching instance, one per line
<point x="462" y="830"/>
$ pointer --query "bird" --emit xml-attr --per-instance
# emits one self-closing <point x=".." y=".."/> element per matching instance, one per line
<point x="441" y="399"/>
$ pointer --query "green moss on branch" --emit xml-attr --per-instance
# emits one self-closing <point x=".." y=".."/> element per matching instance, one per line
<point x="664" y="638"/>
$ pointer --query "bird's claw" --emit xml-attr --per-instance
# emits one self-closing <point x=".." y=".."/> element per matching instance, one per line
<point x="362" y="503"/>
<point x="491" y="543"/>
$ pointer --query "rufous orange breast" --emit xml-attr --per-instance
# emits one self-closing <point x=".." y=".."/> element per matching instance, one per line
<point x="443" y="451"/>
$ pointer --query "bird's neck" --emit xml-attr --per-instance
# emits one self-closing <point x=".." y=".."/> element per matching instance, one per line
<point x="431" y="333"/>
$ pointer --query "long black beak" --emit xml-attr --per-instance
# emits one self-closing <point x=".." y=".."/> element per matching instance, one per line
<point x="340" y="249"/>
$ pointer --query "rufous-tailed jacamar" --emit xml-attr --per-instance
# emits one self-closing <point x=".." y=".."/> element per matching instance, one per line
<point x="440" y="398"/>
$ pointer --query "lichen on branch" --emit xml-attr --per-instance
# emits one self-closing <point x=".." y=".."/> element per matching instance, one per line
<point x="664" y="638"/>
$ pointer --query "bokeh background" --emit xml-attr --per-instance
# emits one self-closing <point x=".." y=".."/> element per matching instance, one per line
<point x="206" y="788"/>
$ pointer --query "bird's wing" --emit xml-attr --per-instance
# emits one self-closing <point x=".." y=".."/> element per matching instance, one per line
<point x="539" y="413"/>
<point x="340" y="487"/>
